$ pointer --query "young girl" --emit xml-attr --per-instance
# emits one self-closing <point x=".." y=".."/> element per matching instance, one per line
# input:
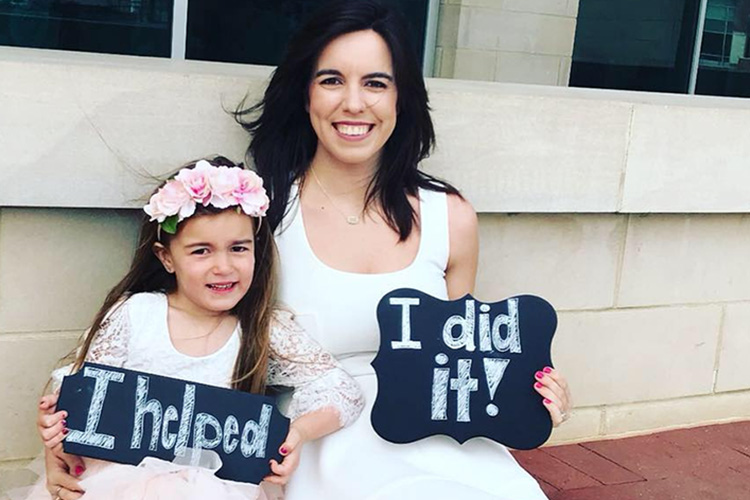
<point x="196" y="305"/>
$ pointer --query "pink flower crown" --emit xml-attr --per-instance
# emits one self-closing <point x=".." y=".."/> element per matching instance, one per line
<point x="206" y="184"/>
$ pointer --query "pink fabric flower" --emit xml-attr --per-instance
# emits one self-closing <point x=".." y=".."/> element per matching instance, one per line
<point x="249" y="193"/>
<point x="223" y="182"/>
<point x="171" y="199"/>
<point x="197" y="181"/>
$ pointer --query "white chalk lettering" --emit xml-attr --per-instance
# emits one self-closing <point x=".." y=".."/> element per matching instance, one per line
<point x="406" y="342"/>
<point x="143" y="406"/>
<point x="200" y="441"/>
<point x="259" y="430"/>
<point x="494" y="369"/>
<point x="466" y="326"/>
<point x="231" y="428"/>
<point x="464" y="385"/>
<point x="485" y="342"/>
<point x="183" y="433"/>
<point x="440" y="378"/>
<point x="89" y="436"/>
<point x="168" y="439"/>
<point x="512" y="340"/>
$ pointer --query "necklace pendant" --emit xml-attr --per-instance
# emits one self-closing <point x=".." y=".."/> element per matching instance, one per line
<point x="352" y="219"/>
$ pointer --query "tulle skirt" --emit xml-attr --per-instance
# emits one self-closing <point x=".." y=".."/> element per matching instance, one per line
<point x="154" y="479"/>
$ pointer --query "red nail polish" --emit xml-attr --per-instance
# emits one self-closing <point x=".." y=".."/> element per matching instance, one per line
<point x="538" y="385"/>
<point x="65" y="431"/>
<point x="283" y="451"/>
<point x="539" y="374"/>
<point x="547" y="401"/>
<point x="547" y="369"/>
<point x="79" y="470"/>
<point x="65" y="423"/>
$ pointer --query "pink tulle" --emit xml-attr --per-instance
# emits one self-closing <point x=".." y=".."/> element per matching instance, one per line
<point x="153" y="479"/>
<point x="156" y="479"/>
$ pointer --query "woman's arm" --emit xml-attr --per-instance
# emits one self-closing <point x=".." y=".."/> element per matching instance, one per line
<point x="460" y="277"/>
<point x="463" y="232"/>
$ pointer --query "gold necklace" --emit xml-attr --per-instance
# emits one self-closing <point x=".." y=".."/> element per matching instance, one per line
<point x="350" y="219"/>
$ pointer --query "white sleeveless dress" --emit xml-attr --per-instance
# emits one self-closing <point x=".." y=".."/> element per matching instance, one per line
<point x="337" y="308"/>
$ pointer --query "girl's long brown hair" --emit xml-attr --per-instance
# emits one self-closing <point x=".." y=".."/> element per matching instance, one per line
<point x="254" y="311"/>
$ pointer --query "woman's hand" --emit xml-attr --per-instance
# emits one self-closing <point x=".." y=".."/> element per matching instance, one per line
<point x="51" y="426"/>
<point x="60" y="484"/>
<point x="553" y="387"/>
<point x="290" y="449"/>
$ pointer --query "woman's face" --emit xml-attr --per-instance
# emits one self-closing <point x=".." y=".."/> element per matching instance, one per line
<point x="352" y="99"/>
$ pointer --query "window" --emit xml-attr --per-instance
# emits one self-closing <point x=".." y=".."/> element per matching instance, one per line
<point x="238" y="31"/>
<point x="686" y="46"/>
<point x="724" y="65"/>
<point x="137" y="27"/>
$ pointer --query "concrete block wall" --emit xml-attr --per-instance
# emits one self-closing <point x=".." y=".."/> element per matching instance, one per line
<point x="519" y="41"/>
<point x="600" y="201"/>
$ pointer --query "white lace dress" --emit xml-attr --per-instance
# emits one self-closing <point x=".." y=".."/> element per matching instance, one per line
<point x="135" y="336"/>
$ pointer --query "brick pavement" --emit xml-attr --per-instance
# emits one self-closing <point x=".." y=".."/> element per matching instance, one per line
<point x="703" y="463"/>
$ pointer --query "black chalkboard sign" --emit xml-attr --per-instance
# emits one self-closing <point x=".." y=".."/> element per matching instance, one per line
<point x="462" y="368"/>
<point x="124" y="416"/>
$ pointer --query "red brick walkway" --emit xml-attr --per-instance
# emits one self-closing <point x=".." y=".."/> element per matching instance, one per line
<point x="705" y="463"/>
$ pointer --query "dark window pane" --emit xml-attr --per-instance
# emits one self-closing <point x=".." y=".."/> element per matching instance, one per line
<point x="136" y="27"/>
<point x="634" y="44"/>
<point x="724" y="67"/>
<point x="257" y="31"/>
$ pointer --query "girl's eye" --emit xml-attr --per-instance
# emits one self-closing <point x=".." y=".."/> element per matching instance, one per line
<point x="239" y="248"/>
<point x="199" y="251"/>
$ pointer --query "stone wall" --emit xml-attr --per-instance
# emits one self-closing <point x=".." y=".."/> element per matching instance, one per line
<point x="625" y="210"/>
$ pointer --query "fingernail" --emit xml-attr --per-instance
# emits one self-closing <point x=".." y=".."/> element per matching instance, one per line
<point x="65" y="431"/>
<point x="538" y="385"/>
<point x="547" y="401"/>
<point x="283" y="451"/>
<point x="65" y="423"/>
<point x="539" y="375"/>
<point x="79" y="470"/>
<point x="547" y="369"/>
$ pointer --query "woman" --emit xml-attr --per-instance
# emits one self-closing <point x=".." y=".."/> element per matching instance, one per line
<point x="340" y="132"/>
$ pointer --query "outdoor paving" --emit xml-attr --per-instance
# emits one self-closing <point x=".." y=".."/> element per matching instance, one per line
<point x="703" y="463"/>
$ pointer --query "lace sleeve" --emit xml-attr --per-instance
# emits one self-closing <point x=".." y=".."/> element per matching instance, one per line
<point x="110" y="345"/>
<point x="297" y="361"/>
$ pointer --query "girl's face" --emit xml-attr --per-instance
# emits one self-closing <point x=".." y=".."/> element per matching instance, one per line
<point x="213" y="259"/>
<point x="352" y="99"/>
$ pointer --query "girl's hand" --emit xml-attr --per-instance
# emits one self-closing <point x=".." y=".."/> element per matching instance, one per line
<point x="51" y="427"/>
<point x="553" y="387"/>
<point x="290" y="449"/>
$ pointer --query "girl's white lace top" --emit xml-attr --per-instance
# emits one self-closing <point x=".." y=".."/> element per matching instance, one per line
<point x="135" y="336"/>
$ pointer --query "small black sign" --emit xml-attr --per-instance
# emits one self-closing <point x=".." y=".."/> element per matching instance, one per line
<point x="124" y="416"/>
<point x="462" y="368"/>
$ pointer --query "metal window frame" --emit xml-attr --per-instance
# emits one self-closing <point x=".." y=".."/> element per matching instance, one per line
<point x="180" y="18"/>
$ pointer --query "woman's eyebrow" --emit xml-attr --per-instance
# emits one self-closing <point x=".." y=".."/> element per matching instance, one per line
<point x="322" y="72"/>
<point x="335" y="72"/>
<point x="379" y="74"/>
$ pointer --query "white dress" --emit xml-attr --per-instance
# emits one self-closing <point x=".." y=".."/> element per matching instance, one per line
<point x="135" y="336"/>
<point x="338" y="309"/>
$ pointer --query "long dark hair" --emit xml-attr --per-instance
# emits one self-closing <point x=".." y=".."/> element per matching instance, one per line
<point x="283" y="141"/>
<point x="254" y="310"/>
